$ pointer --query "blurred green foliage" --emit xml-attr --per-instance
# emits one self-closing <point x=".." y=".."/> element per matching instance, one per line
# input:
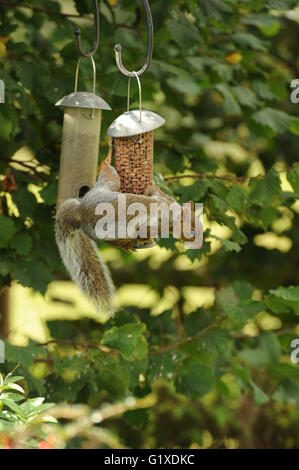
<point x="221" y="74"/>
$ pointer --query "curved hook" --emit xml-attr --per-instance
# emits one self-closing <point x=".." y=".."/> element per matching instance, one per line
<point x="118" y="48"/>
<point x="96" y="29"/>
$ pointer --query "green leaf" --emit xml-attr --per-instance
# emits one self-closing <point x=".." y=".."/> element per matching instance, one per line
<point x="261" y="398"/>
<point x="35" y="406"/>
<point x="82" y="7"/>
<point x="7" y="230"/>
<point x="5" y="128"/>
<point x="184" y="33"/>
<point x="287" y="392"/>
<point x="49" y="194"/>
<point x="245" y="97"/>
<point x="282" y="371"/>
<point x="26" y="202"/>
<point x="128" y="339"/>
<point x="266" y="190"/>
<point x="218" y="204"/>
<point x="254" y="357"/>
<point x="263" y="90"/>
<point x="293" y="177"/>
<point x="26" y="73"/>
<point x="13" y="386"/>
<point x="214" y="341"/>
<point x="262" y="216"/>
<point x="267" y="24"/>
<point x="135" y="369"/>
<point x="245" y="311"/>
<point x="12" y="378"/>
<point x="238" y="236"/>
<point x="229" y="297"/>
<point x="250" y="41"/>
<point x="195" y="380"/>
<point x="32" y="274"/>
<point x="194" y="192"/>
<point x="284" y="300"/>
<point x="244" y="374"/>
<point x="229" y="245"/>
<point x="24" y="355"/>
<point x="113" y="377"/>
<point x="281" y="4"/>
<point x="237" y="198"/>
<point x="164" y="365"/>
<point x="73" y="363"/>
<point x="278" y="121"/>
<point x="230" y="105"/>
<point x="269" y="343"/>
<point x="22" y="243"/>
<point x="244" y="290"/>
<point x="214" y="8"/>
<point x="182" y="85"/>
<point x="12" y="406"/>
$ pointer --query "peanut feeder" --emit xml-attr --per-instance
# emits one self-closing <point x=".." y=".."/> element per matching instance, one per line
<point x="132" y="148"/>
<point x="132" y="133"/>
<point x="80" y="141"/>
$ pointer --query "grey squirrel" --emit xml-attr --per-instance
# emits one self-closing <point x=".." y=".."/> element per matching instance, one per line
<point x="75" y="234"/>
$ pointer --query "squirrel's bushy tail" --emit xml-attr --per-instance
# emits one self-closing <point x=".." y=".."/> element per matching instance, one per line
<point x="80" y="256"/>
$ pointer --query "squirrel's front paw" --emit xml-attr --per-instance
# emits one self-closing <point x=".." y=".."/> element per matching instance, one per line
<point x="151" y="190"/>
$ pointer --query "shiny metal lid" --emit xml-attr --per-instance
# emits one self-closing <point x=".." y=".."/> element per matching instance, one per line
<point x="83" y="99"/>
<point x="129" y="123"/>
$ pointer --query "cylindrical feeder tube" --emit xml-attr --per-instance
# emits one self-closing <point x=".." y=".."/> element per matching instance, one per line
<point x="80" y="144"/>
<point x="133" y="148"/>
<point x="133" y="153"/>
<point x="133" y="160"/>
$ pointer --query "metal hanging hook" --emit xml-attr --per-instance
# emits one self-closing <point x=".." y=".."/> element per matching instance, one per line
<point x="118" y="48"/>
<point x="96" y="30"/>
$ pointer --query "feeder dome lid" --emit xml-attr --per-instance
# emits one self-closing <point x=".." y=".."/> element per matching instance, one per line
<point x="129" y="123"/>
<point x="83" y="99"/>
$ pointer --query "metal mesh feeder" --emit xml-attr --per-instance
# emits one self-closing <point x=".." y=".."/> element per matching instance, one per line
<point x="133" y="149"/>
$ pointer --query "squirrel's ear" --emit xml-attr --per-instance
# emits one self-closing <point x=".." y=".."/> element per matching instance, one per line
<point x="104" y="165"/>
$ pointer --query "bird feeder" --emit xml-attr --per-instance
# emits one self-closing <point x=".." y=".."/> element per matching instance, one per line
<point x="132" y="152"/>
<point x="133" y="148"/>
<point x="80" y="141"/>
<point x="132" y="132"/>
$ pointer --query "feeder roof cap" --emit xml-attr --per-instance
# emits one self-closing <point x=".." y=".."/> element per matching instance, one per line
<point x="83" y="99"/>
<point x="129" y="123"/>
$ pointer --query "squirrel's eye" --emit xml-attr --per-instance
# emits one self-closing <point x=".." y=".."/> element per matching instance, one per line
<point x="83" y="190"/>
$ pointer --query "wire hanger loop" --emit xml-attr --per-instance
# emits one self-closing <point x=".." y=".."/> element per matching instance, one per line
<point x="135" y="74"/>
